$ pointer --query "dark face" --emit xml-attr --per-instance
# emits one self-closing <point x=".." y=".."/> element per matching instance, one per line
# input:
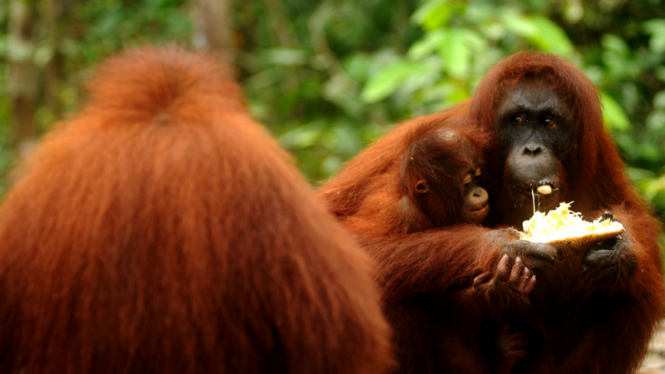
<point x="442" y="179"/>
<point x="536" y="135"/>
<point x="475" y="207"/>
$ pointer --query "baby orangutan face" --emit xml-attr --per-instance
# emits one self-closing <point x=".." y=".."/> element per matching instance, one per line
<point x="440" y="173"/>
<point x="475" y="207"/>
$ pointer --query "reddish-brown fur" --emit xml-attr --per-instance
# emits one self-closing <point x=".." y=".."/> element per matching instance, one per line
<point x="585" y="315"/>
<point x="391" y="207"/>
<point x="586" y="321"/>
<point x="588" y="314"/>
<point x="163" y="231"/>
<point x="441" y="322"/>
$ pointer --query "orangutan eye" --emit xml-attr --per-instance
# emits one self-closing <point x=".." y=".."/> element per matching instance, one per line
<point x="476" y="177"/>
<point x="549" y="123"/>
<point x="520" y="119"/>
<point x="467" y="180"/>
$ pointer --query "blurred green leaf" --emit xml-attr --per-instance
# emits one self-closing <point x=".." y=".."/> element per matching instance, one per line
<point x="432" y="42"/>
<point x="357" y="66"/>
<point x="301" y="137"/>
<point x="659" y="100"/>
<point x="388" y="79"/>
<point x="615" y="44"/>
<point x="655" y="123"/>
<point x="614" y="116"/>
<point x="519" y="24"/>
<point x="551" y="37"/>
<point x="433" y="14"/>
<point x="456" y="53"/>
<point x="285" y="56"/>
<point x="543" y="33"/>
<point x="656" y="27"/>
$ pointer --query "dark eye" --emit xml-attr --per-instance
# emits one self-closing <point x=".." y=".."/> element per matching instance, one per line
<point x="467" y="180"/>
<point x="476" y="178"/>
<point x="519" y="119"/>
<point x="549" y="123"/>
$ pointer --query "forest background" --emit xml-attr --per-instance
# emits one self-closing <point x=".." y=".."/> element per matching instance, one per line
<point x="327" y="77"/>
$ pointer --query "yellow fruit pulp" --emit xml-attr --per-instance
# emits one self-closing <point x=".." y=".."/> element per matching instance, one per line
<point x="564" y="224"/>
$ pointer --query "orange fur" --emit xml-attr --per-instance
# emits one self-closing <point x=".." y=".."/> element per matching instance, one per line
<point x="163" y="231"/>
<point x="588" y="320"/>
<point x="441" y="325"/>
<point x="581" y="319"/>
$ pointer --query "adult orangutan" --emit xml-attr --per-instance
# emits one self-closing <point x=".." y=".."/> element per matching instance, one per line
<point x="419" y="178"/>
<point x="594" y="313"/>
<point x="163" y="231"/>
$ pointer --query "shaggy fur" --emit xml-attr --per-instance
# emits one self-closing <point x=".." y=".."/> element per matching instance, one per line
<point x="593" y="313"/>
<point x="587" y="314"/>
<point x="442" y="322"/>
<point x="163" y="231"/>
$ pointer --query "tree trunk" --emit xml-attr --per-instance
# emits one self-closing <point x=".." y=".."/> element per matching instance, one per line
<point x="212" y="28"/>
<point x="53" y="74"/>
<point x="281" y="24"/>
<point x="23" y="74"/>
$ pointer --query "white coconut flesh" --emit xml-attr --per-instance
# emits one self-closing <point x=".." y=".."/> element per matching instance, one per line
<point x="563" y="224"/>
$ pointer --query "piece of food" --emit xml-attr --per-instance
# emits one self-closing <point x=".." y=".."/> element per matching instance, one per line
<point x="567" y="231"/>
<point x="545" y="189"/>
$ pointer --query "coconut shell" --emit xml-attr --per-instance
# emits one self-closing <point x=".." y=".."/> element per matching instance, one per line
<point x="577" y="245"/>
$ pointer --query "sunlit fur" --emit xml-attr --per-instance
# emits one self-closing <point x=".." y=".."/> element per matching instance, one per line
<point x="162" y="230"/>
<point x="588" y="321"/>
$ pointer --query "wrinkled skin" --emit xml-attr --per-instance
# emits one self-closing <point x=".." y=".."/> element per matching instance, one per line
<point x="534" y="132"/>
<point x="550" y="147"/>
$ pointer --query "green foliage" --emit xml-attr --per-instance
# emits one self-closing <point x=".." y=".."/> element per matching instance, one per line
<point x="328" y="77"/>
<point x="92" y="30"/>
<point x="384" y="72"/>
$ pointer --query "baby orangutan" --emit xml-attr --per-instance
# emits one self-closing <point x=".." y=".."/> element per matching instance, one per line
<point x="430" y="182"/>
<point x="441" y="167"/>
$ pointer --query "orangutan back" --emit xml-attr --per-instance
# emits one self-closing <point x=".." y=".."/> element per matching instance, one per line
<point x="162" y="230"/>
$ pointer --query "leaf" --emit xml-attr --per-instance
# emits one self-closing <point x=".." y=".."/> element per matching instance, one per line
<point x="432" y="41"/>
<point x="614" y="43"/>
<point x="659" y="100"/>
<point x="343" y="92"/>
<point x="357" y="65"/>
<point x="285" y="56"/>
<point x="655" y="27"/>
<point x="433" y="15"/>
<point x="540" y="31"/>
<point x="655" y="122"/>
<point x="551" y="38"/>
<point x="386" y="81"/>
<point x="301" y="137"/>
<point x="519" y="24"/>
<point x="614" y="115"/>
<point x="423" y="75"/>
<point x="456" y="54"/>
<point x="458" y="93"/>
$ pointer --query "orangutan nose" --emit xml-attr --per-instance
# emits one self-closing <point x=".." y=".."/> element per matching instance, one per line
<point x="532" y="149"/>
